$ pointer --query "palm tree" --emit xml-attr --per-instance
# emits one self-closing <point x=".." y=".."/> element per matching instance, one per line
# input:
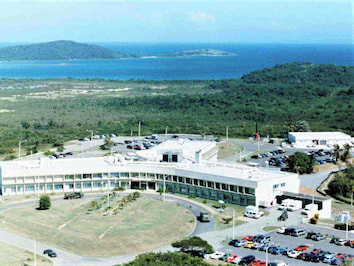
<point x="336" y="152"/>
<point x="346" y="154"/>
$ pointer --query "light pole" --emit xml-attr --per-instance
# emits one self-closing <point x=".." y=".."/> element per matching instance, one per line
<point x="89" y="130"/>
<point x="139" y="128"/>
<point x="268" y="130"/>
<point x="267" y="255"/>
<point x="35" y="256"/>
<point x="233" y="223"/>
<point x="227" y="133"/>
<point x="19" y="147"/>
<point x="166" y="131"/>
<point x="164" y="188"/>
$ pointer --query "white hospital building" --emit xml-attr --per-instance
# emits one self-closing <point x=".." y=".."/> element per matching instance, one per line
<point x="187" y="167"/>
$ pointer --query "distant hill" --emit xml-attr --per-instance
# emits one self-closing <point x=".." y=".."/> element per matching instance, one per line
<point x="59" y="50"/>
<point x="202" y="52"/>
<point x="303" y="73"/>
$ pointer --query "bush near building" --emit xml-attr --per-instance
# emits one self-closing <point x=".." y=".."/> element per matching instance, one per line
<point x="44" y="202"/>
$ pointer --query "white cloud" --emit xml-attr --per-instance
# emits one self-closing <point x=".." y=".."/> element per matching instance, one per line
<point x="201" y="17"/>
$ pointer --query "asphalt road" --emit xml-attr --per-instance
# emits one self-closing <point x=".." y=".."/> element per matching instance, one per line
<point x="67" y="258"/>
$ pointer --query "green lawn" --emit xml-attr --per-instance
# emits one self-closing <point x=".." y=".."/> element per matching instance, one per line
<point x="11" y="255"/>
<point x="142" y="225"/>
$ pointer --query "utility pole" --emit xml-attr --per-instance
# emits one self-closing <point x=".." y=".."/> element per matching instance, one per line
<point x="19" y="147"/>
<point x="91" y="137"/>
<point x="227" y="133"/>
<point x="166" y="131"/>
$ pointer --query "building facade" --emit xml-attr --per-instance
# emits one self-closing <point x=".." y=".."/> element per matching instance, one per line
<point x="319" y="139"/>
<point x="233" y="183"/>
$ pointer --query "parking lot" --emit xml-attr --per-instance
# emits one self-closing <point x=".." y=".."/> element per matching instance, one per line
<point x="277" y="158"/>
<point x="290" y="242"/>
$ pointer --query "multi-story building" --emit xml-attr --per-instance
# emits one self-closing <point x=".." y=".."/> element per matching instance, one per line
<point x="234" y="183"/>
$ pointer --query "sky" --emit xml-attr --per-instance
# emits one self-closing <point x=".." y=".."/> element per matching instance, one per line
<point x="220" y="21"/>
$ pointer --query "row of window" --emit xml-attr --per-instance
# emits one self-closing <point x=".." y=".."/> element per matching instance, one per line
<point x="178" y="179"/>
<point x="208" y="184"/>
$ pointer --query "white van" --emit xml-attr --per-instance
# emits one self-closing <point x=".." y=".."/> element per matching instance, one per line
<point x="253" y="214"/>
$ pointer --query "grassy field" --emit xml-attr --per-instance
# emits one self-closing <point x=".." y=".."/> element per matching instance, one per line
<point x="11" y="255"/>
<point x="141" y="225"/>
<point x="227" y="149"/>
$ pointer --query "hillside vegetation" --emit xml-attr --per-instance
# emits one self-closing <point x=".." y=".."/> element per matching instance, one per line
<point x="51" y="111"/>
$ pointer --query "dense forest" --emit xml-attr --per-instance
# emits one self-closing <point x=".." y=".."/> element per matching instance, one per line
<point x="44" y="112"/>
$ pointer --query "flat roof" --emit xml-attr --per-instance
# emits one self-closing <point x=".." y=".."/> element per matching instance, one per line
<point x="222" y="172"/>
<point x="320" y="135"/>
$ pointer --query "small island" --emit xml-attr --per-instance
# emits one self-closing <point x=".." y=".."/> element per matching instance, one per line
<point x="202" y="52"/>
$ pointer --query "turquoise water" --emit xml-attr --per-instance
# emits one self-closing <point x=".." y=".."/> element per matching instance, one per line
<point x="249" y="57"/>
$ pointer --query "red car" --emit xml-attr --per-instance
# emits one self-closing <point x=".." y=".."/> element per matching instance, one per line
<point x="258" y="263"/>
<point x="316" y="251"/>
<point x="301" y="256"/>
<point x="302" y="247"/>
<point x="255" y="262"/>
<point x="232" y="257"/>
<point x="247" y="238"/>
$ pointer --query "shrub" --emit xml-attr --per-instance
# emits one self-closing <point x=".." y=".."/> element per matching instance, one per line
<point x="205" y="201"/>
<point x="313" y="220"/>
<point x="44" y="202"/>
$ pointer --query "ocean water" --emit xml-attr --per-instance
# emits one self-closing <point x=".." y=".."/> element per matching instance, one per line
<point x="248" y="57"/>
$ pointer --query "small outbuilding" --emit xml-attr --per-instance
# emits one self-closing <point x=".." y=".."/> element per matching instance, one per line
<point x="318" y="139"/>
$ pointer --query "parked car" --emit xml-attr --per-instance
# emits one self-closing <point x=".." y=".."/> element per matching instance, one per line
<point x="249" y="244"/>
<point x="289" y="230"/>
<point x="281" y="230"/>
<point x="265" y="247"/>
<point x="328" y="258"/>
<point x="334" y="240"/>
<point x="293" y="253"/>
<point x="231" y="258"/>
<point x="50" y="253"/>
<point x="240" y="243"/>
<point x="217" y="255"/>
<point x="225" y="257"/>
<point x="279" y="250"/>
<point x="247" y="260"/>
<point x="302" y="247"/>
<point x="318" y="237"/>
<point x="46" y="251"/>
<point x="247" y="238"/>
<point x="310" y="234"/>
<point x="298" y="232"/>
<point x="341" y="242"/>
